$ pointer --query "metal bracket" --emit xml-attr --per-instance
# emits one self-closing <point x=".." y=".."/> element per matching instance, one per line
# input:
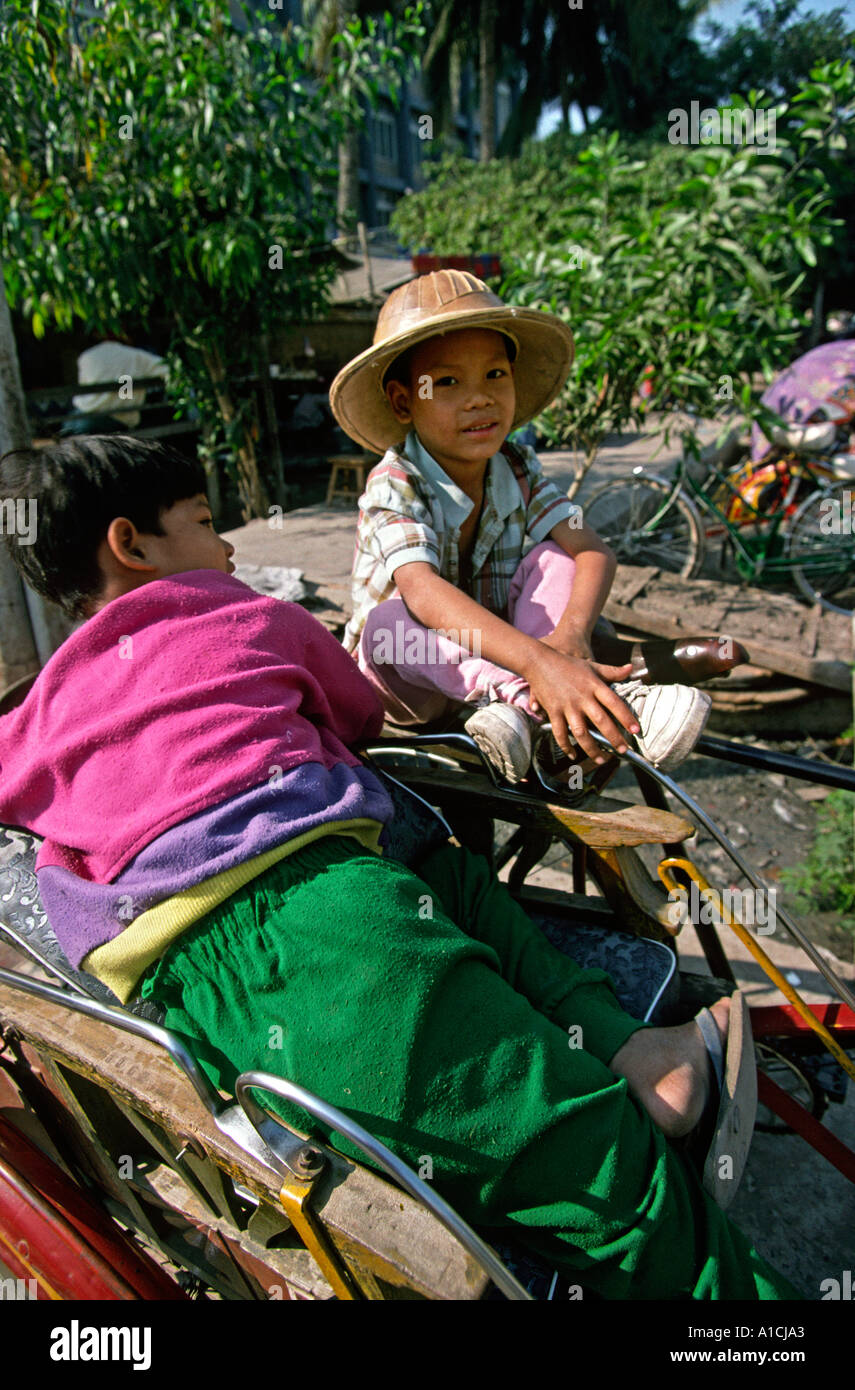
<point x="296" y="1199"/>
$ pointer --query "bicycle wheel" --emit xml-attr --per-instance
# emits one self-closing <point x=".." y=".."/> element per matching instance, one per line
<point x="787" y="1074"/>
<point x="627" y="513"/>
<point x="821" y="547"/>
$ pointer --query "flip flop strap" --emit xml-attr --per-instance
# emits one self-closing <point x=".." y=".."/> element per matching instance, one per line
<point x="712" y="1042"/>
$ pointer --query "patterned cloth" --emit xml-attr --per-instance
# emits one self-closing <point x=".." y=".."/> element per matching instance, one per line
<point x="818" y="386"/>
<point x="411" y="510"/>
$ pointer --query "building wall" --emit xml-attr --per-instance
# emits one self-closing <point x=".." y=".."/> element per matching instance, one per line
<point x="393" y="147"/>
<point x="391" y="151"/>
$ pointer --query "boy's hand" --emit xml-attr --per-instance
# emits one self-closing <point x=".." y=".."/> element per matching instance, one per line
<point x="574" y="692"/>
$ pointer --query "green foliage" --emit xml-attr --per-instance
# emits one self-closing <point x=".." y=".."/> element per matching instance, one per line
<point x="825" y="880"/>
<point x="695" y="259"/>
<point x="172" y="165"/>
<point x="779" y="47"/>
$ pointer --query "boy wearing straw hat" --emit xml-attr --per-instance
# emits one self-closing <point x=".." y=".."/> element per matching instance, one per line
<point x="475" y="580"/>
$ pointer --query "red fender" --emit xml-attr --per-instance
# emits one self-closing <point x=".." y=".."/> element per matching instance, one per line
<point x="52" y="1232"/>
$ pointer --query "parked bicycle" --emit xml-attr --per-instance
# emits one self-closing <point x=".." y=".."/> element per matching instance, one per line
<point x="781" y="507"/>
<point x="789" y="519"/>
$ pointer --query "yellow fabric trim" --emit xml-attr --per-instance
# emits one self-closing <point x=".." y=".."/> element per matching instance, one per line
<point x="120" y="963"/>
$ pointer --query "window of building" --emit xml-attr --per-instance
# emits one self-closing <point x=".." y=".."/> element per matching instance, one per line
<point x="385" y="139"/>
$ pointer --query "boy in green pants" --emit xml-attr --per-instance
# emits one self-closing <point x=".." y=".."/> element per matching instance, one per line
<point x="211" y="842"/>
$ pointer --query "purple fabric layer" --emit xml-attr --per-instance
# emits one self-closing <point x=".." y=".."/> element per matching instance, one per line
<point x="85" y="914"/>
<point x="169" y="700"/>
<point x="818" y="386"/>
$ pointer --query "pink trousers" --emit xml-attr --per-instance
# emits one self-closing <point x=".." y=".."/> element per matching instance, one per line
<point x="424" y="674"/>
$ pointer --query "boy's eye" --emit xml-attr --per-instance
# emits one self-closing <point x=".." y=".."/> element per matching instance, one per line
<point x="446" y="381"/>
<point x="497" y="371"/>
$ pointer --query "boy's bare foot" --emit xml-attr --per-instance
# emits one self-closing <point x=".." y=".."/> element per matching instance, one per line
<point x="668" y="1071"/>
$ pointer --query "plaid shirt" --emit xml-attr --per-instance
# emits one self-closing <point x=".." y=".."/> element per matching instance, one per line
<point x="411" y="510"/>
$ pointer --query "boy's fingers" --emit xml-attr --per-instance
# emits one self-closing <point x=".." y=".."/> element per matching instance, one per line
<point x="612" y="702"/>
<point x="609" y="730"/>
<point x="577" y="722"/>
<point x="612" y="673"/>
<point x="559" y="731"/>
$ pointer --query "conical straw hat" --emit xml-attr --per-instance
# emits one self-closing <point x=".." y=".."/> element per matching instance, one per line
<point x="444" y="302"/>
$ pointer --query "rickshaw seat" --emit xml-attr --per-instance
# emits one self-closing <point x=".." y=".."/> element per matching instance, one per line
<point x="646" y="983"/>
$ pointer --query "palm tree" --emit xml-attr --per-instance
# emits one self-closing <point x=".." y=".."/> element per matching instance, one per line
<point x="614" y="57"/>
<point x="326" y="19"/>
<point x="466" y="31"/>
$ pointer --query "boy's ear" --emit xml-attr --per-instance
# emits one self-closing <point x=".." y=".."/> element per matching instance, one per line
<point x="398" y="396"/>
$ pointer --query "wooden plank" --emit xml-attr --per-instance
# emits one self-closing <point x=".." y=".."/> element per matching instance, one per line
<point x="812" y="631"/>
<point x="779" y="633"/>
<point x="598" y="822"/>
<point x="631" y="580"/>
<point x="401" y="1241"/>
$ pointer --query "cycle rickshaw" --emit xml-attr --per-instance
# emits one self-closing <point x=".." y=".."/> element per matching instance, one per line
<point x="125" y="1175"/>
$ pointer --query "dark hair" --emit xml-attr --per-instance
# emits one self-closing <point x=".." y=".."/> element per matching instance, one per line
<point x="399" y="370"/>
<point x="79" y="485"/>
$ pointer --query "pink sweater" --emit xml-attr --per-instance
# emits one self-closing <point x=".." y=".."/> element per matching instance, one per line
<point x="171" y="699"/>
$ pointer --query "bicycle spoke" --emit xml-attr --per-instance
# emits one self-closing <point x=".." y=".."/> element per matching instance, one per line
<point x="821" y="549"/>
<point x="645" y="525"/>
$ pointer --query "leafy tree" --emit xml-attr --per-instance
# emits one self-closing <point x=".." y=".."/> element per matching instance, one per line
<point x="778" y="50"/>
<point x="331" y="23"/>
<point x="697" y="260"/>
<point x="168" y="163"/>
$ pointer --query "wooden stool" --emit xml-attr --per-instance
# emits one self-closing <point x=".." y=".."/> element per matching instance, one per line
<point x="347" y="464"/>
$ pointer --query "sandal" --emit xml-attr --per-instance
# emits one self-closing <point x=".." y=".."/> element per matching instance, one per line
<point x="722" y="1138"/>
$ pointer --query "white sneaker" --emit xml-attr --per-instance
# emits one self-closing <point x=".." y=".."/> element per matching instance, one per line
<point x="672" y="719"/>
<point x="503" y="733"/>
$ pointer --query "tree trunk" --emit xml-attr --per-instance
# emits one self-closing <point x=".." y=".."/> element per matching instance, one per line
<point x="18" y="654"/>
<point x="817" y="328"/>
<point x="271" y="424"/>
<point x="487" y="75"/>
<point x="253" y="498"/>
<point x="208" y="454"/>
<point x="348" y="181"/>
<point x="590" y="447"/>
<point x="565" y="108"/>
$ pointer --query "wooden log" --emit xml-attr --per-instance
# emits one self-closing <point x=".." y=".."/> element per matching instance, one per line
<point x="779" y="633"/>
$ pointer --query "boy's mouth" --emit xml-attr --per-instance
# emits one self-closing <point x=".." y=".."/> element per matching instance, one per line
<point x="485" y="428"/>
